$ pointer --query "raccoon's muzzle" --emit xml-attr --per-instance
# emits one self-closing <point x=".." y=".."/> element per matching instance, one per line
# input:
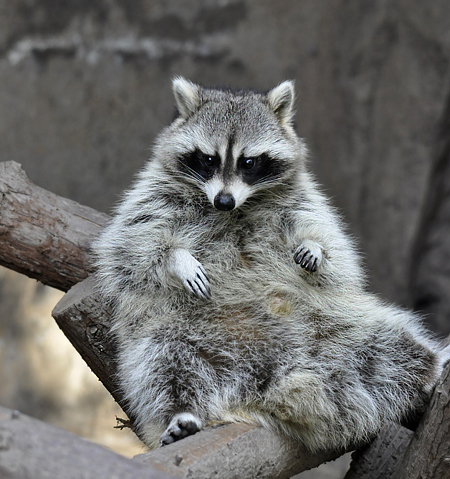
<point x="224" y="201"/>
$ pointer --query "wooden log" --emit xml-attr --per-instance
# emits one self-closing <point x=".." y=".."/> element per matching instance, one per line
<point x="85" y="321"/>
<point x="32" y="449"/>
<point x="43" y="235"/>
<point x="235" y="451"/>
<point x="379" y="459"/>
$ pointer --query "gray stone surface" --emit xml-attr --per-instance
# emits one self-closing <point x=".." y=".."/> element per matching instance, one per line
<point x="430" y="270"/>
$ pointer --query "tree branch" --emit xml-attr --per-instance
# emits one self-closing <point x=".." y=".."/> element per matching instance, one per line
<point x="235" y="450"/>
<point x="379" y="458"/>
<point x="42" y="235"/>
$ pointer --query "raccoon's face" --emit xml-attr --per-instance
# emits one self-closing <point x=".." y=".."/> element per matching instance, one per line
<point x="233" y="144"/>
<point x="229" y="180"/>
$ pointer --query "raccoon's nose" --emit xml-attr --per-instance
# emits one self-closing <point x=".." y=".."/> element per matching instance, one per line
<point x="224" y="202"/>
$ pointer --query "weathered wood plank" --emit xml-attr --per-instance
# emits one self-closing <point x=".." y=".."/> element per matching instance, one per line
<point x="43" y="235"/>
<point x="32" y="449"/>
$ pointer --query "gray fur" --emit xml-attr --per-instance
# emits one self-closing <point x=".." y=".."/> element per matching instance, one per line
<point x="256" y="314"/>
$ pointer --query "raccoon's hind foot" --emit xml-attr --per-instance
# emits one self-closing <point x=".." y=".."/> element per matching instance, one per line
<point x="308" y="255"/>
<point x="190" y="272"/>
<point x="181" y="426"/>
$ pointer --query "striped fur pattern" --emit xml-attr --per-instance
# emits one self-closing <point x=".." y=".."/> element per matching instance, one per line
<point x="238" y="295"/>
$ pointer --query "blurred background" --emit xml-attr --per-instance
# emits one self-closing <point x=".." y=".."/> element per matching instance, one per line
<point x="85" y="85"/>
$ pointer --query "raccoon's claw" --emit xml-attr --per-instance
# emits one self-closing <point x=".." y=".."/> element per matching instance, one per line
<point x="199" y="285"/>
<point x="309" y="256"/>
<point x="181" y="426"/>
<point x="190" y="272"/>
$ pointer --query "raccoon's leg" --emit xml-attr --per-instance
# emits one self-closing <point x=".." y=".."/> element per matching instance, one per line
<point x="300" y="406"/>
<point x="181" y="426"/>
<point x="350" y="388"/>
<point x="166" y="385"/>
<point x="308" y="255"/>
<point x="323" y="409"/>
<point x="184" y="267"/>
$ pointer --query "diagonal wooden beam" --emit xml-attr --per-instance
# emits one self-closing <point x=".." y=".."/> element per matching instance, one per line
<point x="398" y="453"/>
<point x="234" y="451"/>
<point x="85" y="321"/>
<point x="428" y="454"/>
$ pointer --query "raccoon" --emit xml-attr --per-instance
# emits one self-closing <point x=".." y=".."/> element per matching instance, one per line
<point x="237" y="294"/>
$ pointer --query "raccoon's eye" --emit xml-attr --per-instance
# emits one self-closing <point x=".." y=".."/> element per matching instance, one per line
<point x="249" y="163"/>
<point x="209" y="161"/>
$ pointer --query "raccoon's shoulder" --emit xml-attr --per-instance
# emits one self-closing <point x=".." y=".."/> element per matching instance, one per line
<point x="158" y="195"/>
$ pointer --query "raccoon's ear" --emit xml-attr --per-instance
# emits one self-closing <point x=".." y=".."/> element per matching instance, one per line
<point x="281" y="100"/>
<point x="187" y="96"/>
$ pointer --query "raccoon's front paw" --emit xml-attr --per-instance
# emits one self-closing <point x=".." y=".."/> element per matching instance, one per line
<point x="190" y="272"/>
<point x="181" y="426"/>
<point x="308" y="255"/>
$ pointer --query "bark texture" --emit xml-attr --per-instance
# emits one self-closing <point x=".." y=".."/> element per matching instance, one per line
<point x="398" y="453"/>
<point x="43" y="235"/>
<point x="84" y="319"/>
<point x="235" y="451"/>
<point x="379" y="459"/>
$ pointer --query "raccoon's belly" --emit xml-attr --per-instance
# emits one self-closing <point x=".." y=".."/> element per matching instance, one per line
<point x="271" y="284"/>
<point x="254" y="288"/>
